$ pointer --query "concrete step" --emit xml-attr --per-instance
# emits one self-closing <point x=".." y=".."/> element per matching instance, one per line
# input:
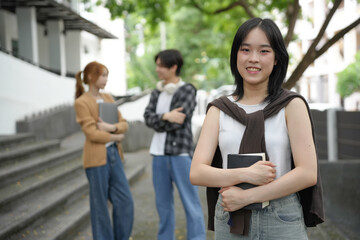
<point x="44" y="193"/>
<point x="59" y="223"/>
<point x="65" y="222"/>
<point x="26" y="151"/>
<point x="20" y="213"/>
<point x="11" y="174"/>
<point x="133" y="173"/>
<point x="40" y="181"/>
<point x="8" y="142"/>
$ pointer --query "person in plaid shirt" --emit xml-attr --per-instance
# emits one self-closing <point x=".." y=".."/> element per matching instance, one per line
<point x="169" y="113"/>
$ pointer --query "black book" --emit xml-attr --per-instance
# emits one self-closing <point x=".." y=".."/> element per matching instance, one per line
<point x="246" y="160"/>
<point x="108" y="112"/>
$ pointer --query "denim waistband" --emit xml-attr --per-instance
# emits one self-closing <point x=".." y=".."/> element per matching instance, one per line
<point x="280" y="202"/>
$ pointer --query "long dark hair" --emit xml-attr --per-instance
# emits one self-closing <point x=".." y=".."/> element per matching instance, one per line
<point x="276" y="40"/>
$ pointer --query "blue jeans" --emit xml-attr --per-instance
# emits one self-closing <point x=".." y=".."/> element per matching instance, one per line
<point x="166" y="170"/>
<point x="283" y="219"/>
<point x="109" y="182"/>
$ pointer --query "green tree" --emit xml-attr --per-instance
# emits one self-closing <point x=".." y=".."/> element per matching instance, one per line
<point x="140" y="68"/>
<point x="214" y="28"/>
<point x="349" y="79"/>
<point x="204" y="62"/>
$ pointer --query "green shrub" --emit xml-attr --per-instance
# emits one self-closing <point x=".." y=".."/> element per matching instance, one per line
<point x="349" y="79"/>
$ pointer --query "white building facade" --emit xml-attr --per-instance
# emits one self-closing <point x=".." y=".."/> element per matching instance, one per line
<point x="318" y="83"/>
<point x="44" y="43"/>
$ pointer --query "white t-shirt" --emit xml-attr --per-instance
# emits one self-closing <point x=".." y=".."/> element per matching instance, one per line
<point x="157" y="146"/>
<point x="276" y="137"/>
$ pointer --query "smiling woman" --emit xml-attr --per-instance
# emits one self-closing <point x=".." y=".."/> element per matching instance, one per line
<point x="255" y="60"/>
<point x="271" y="41"/>
<point x="259" y="117"/>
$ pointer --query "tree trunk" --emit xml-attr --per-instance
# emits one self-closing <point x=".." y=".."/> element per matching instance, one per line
<point x="299" y="70"/>
<point x="292" y="15"/>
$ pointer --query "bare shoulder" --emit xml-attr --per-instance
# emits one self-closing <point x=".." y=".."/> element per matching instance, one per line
<point x="212" y="117"/>
<point x="296" y="110"/>
<point x="213" y="111"/>
<point x="296" y="105"/>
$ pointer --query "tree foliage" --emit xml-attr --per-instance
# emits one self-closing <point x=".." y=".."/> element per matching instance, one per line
<point x="349" y="78"/>
<point x="203" y="30"/>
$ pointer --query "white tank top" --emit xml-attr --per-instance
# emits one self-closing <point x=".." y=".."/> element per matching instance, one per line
<point x="276" y="137"/>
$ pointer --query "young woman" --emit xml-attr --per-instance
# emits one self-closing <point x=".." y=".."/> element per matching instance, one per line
<point x="102" y="158"/>
<point x="259" y="117"/>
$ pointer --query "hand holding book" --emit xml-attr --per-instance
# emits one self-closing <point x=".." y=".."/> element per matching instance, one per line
<point x="258" y="178"/>
<point x="261" y="172"/>
<point x="104" y="126"/>
<point x="108" y="117"/>
<point x="117" y="137"/>
<point x="231" y="200"/>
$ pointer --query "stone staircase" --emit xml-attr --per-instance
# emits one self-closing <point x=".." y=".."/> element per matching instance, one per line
<point x="43" y="188"/>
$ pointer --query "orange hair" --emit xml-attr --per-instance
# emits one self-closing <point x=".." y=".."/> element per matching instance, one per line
<point x="92" y="70"/>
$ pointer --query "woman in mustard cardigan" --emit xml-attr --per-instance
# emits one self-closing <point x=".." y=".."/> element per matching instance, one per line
<point x="102" y="158"/>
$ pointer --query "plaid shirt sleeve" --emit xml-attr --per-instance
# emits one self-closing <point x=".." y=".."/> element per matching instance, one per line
<point x="185" y="98"/>
<point x="180" y="140"/>
<point x="179" y="136"/>
<point x="154" y="120"/>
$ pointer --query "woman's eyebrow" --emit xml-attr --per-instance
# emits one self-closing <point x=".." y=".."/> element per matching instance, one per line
<point x="261" y="45"/>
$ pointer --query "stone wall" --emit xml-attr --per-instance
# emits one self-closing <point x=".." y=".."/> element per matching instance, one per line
<point x="55" y="123"/>
<point x="337" y="134"/>
<point x="60" y="122"/>
<point x="138" y="137"/>
<point x="341" y="193"/>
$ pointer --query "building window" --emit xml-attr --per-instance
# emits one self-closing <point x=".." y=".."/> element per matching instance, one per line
<point x="318" y="89"/>
<point x="15" y="47"/>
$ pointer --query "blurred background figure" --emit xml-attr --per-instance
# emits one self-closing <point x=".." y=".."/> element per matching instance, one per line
<point x="102" y="158"/>
<point x="169" y="113"/>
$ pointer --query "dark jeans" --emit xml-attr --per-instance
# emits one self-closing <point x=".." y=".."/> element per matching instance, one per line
<point x="109" y="182"/>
